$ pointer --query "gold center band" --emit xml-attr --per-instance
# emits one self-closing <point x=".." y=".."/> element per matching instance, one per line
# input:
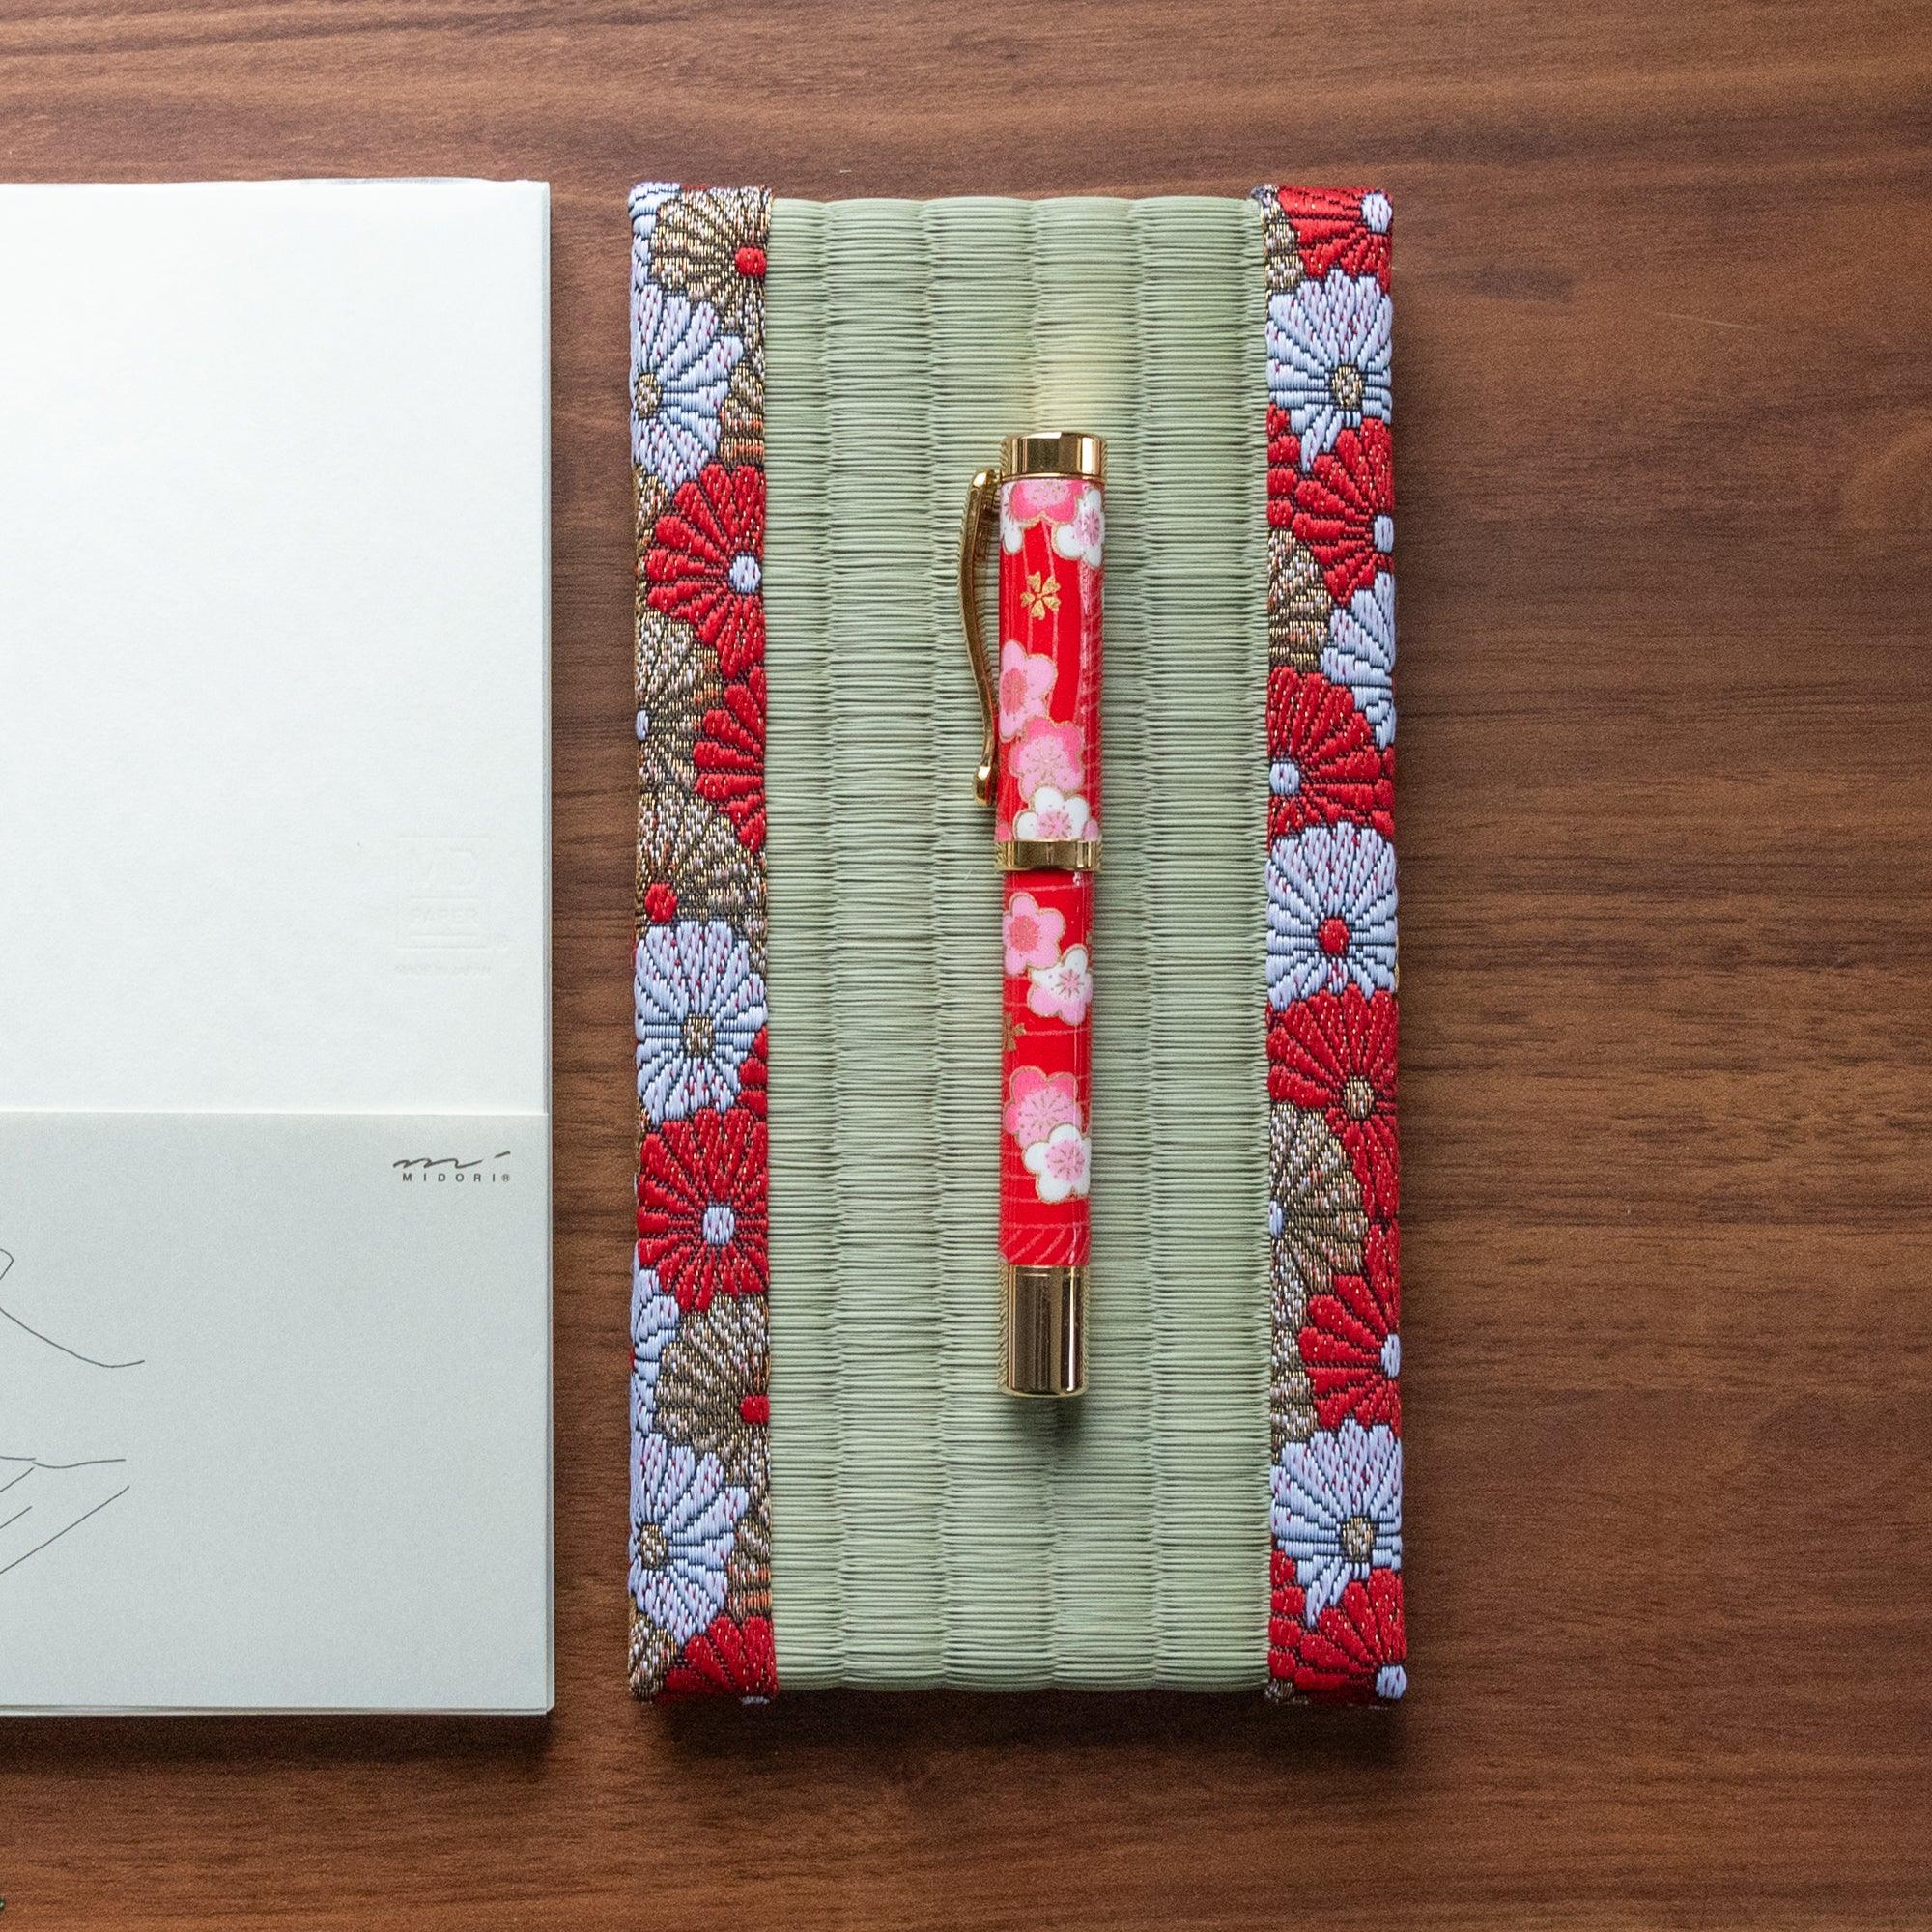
<point x="1047" y="855"/>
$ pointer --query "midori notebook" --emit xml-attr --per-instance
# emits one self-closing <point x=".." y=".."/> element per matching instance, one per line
<point x="828" y="1484"/>
<point x="274" y="1077"/>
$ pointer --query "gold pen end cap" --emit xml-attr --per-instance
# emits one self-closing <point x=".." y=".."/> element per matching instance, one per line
<point x="1054" y="452"/>
<point x="1046" y="1330"/>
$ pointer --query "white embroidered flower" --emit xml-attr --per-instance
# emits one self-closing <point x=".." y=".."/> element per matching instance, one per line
<point x="1377" y="213"/>
<point x="646" y="198"/>
<point x="1391" y="1682"/>
<point x="1085" y="537"/>
<point x="1058" y="1163"/>
<point x="1331" y="912"/>
<point x="1055" y="815"/>
<point x="1337" y="1511"/>
<point x="1360" y="653"/>
<point x="681" y="363"/>
<point x="1328" y="352"/>
<point x="699" y="1007"/>
<point x="653" y="1322"/>
<point x="1061" y="991"/>
<point x="684" y="1516"/>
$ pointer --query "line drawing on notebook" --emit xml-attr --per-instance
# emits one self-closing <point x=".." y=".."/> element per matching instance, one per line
<point x="41" y="1500"/>
<point x="92" y="1362"/>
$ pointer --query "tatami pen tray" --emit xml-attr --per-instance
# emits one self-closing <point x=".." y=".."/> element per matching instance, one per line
<point x="829" y="1484"/>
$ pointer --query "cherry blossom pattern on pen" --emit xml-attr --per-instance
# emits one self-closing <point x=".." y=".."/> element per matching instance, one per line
<point x="699" y="1572"/>
<point x="1336" y="1630"/>
<point x="1052" y="541"/>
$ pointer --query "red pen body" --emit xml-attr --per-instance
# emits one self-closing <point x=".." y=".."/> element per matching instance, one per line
<point x="1044" y="721"/>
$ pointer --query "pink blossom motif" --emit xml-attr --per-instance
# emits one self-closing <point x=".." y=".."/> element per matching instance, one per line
<point x="1046" y="754"/>
<point x="1053" y="814"/>
<point x="1041" y="1104"/>
<point x="1083" y="535"/>
<point x="1032" y="933"/>
<point x="1026" y="680"/>
<point x="1063" y="990"/>
<point x="1032" y="499"/>
<point x="1059" y="1164"/>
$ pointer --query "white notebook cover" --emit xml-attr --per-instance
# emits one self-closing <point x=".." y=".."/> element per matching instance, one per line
<point x="274" y="1077"/>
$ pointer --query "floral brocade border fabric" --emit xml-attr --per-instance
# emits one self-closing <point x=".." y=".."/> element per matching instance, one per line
<point x="700" y="1470"/>
<point x="699" y="1579"/>
<point x="1335" y="1625"/>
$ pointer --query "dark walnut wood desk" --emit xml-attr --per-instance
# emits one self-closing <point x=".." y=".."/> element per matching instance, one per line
<point x="1664" y="295"/>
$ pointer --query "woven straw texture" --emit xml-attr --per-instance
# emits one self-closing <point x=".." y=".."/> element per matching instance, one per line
<point x="928" y="1529"/>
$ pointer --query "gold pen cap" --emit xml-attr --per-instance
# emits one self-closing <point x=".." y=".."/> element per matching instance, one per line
<point x="1054" y="452"/>
<point x="1046" y="1330"/>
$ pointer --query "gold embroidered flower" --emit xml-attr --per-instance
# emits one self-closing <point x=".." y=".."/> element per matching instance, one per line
<point x="712" y="1391"/>
<point x="709" y="243"/>
<point x="1281" y="258"/>
<point x="1298" y="604"/>
<point x="1291" y="1397"/>
<point x="688" y="850"/>
<point x="653" y="1652"/>
<point x="1314" y="1211"/>
<point x="649" y="501"/>
<point x="742" y="416"/>
<point x="748" y="1570"/>
<point x="677" y="683"/>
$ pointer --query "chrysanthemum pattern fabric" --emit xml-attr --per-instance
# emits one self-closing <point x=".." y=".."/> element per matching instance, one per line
<point x="701" y="1490"/>
<point x="1335" y="1630"/>
<point x="700" y="1577"/>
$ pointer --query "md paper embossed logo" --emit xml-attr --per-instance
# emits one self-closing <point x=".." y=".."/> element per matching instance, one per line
<point x="442" y="912"/>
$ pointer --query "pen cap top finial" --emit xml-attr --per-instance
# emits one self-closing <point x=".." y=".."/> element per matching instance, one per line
<point x="1055" y="452"/>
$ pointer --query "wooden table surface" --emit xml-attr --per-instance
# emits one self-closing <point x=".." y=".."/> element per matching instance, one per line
<point x="1663" y="276"/>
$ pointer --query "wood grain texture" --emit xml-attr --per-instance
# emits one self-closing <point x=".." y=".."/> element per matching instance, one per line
<point x="1662" y="278"/>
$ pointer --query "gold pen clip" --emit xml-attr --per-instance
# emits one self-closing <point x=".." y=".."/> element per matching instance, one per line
<point x="982" y="505"/>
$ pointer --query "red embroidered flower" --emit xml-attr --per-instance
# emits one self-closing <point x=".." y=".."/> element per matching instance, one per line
<point x="1336" y="1052"/>
<point x="1284" y="467"/>
<point x="1352" y="1345"/>
<point x="727" y="1659"/>
<point x="1345" y="509"/>
<point x="1357" y="1648"/>
<point x="1346" y="228"/>
<point x="754" y="1074"/>
<point x="706" y="561"/>
<point x="731" y="756"/>
<point x="702" y="1207"/>
<point x="1323" y="763"/>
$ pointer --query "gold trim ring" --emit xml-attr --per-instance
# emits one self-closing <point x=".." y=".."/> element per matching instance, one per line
<point x="1047" y="855"/>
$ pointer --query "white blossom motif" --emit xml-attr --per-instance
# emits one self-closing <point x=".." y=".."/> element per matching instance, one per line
<point x="681" y="363"/>
<point x="1331" y="912"/>
<point x="684" y="1516"/>
<point x="1338" y="1509"/>
<point x="1329" y="362"/>
<point x="699" y="1007"/>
